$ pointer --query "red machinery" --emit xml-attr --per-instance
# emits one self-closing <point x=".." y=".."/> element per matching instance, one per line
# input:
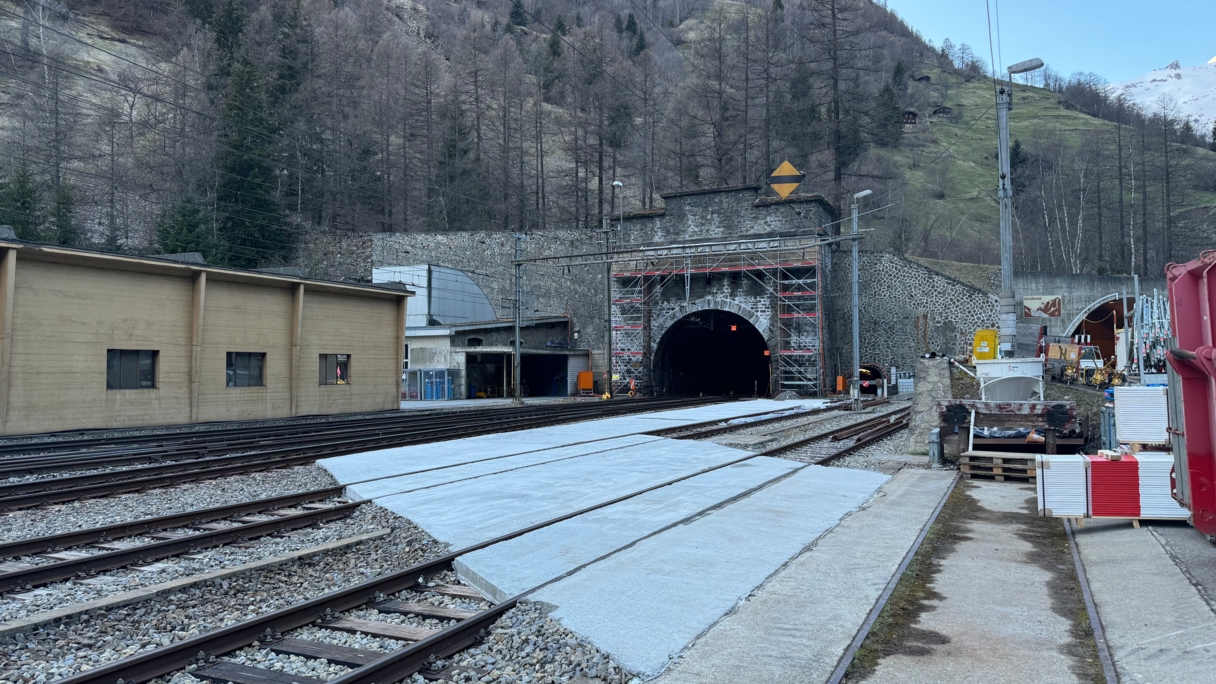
<point x="1192" y="289"/>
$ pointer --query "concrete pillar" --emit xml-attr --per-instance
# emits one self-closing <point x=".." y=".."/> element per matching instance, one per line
<point x="196" y="340"/>
<point x="297" y="320"/>
<point x="8" y="283"/>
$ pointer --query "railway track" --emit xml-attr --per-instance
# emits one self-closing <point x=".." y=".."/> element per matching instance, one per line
<point x="289" y="631"/>
<point x="172" y="534"/>
<point x="287" y="452"/>
<point x="830" y="445"/>
<point x="327" y="611"/>
<point x="37" y="456"/>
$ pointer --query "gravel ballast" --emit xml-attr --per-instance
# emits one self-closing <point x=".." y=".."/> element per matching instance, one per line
<point x="191" y="496"/>
<point x="366" y="518"/>
<point x="89" y="641"/>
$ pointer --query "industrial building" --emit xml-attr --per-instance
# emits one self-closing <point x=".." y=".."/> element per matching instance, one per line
<point x="456" y="347"/>
<point x="98" y="340"/>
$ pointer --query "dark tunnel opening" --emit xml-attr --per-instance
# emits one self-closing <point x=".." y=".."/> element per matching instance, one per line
<point x="713" y="353"/>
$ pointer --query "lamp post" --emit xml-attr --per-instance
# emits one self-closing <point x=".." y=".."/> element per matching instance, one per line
<point x="856" y="389"/>
<point x="1008" y="304"/>
<point x="519" y="293"/>
<point x="608" y="297"/>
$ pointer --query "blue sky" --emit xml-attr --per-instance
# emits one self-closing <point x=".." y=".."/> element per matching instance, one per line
<point x="1117" y="39"/>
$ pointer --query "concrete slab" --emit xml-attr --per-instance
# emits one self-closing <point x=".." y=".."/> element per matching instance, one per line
<point x="994" y="614"/>
<point x="381" y="463"/>
<point x="645" y="603"/>
<point x="1158" y="626"/>
<point x="488" y="467"/>
<point x="526" y="562"/>
<point x="796" y="626"/>
<point x="475" y="510"/>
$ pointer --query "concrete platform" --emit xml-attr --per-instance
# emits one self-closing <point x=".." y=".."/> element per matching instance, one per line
<point x="381" y="463"/>
<point x="647" y="602"/>
<point x="995" y="612"/>
<point x="1153" y="590"/>
<point x="796" y="626"/>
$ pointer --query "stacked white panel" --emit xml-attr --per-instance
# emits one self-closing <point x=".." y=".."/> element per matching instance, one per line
<point x="1141" y="415"/>
<point x="1062" y="485"/>
<point x="1155" y="498"/>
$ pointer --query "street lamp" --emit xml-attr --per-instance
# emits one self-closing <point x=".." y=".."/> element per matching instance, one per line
<point x="1008" y="307"/>
<point x="608" y="295"/>
<point x="856" y="392"/>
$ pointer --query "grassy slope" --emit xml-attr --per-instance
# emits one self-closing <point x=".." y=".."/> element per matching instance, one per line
<point x="971" y="191"/>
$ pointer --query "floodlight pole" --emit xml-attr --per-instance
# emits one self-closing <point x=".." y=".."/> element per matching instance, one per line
<point x="855" y="391"/>
<point x="1008" y="312"/>
<point x="1008" y="309"/>
<point x="519" y="293"/>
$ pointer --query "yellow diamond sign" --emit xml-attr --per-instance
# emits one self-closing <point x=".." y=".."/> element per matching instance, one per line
<point x="786" y="179"/>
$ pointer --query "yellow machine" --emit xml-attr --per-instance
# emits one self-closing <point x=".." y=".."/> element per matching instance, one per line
<point x="985" y="344"/>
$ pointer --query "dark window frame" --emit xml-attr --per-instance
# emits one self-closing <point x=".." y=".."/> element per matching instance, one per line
<point x="132" y="369"/>
<point x="328" y="366"/>
<point x="233" y="376"/>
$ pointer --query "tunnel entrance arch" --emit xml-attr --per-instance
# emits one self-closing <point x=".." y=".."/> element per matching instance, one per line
<point x="712" y="352"/>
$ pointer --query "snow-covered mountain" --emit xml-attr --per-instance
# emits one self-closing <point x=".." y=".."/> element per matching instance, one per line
<point x="1193" y="90"/>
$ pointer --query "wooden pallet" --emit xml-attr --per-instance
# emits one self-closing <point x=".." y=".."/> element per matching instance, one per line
<point x="1002" y="477"/>
<point x="997" y="458"/>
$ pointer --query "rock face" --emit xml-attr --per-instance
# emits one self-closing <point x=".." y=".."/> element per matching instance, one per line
<point x="1193" y="90"/>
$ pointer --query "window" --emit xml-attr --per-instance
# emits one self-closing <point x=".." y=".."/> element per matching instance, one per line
<point x="475" y="342"/>
<point x="246" y="369"/>
<point x="130" y="369"/>
<point x="405" y="359"/>
<point x="334" y="369"/>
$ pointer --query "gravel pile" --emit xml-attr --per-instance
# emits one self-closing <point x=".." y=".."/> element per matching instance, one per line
<point x="86" y="513"/>
<point x="88" y="642"/>
<point x="366" y="518"/>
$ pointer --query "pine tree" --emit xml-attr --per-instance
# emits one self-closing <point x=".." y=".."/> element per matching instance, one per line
<point x="188" y="227"/>
<point x="19" y="206"/>
<point x="294" y="45"/>
<point x="227" y="25"/>
<point x="1017" y="159"/>
<point x="618" y="24"/>
<point x="631" y="25"/>
<point x="899" y="76"/>
<point x="639" y="44"/>
<point x="555" y="45"/>
<point x="559" y="26"/>
<point x="63" y="229"/>
<point x="250" y="220"/>
<point x="887" y="117"/>
<point x="518" y="16"/>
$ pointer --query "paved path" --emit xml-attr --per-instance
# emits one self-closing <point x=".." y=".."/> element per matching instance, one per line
<point x="1153" y="588"/>
<point x="994" y="621"/>
<point x="795" y="627"/>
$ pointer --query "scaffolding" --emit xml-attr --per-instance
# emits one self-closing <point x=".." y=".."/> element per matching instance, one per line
<point x="788" y="268"/>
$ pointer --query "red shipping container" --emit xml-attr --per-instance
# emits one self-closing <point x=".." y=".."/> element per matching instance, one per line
<point x="1114" y="488"/>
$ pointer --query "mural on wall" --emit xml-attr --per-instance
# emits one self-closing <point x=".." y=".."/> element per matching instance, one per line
<point x="1042" y="306"/>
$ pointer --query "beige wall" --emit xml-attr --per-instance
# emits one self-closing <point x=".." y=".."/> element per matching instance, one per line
<point x="65" y="317"/>
<point x="64" y="320"/>
<point x="245" y="318"/>
<point x="334" y="324"/>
